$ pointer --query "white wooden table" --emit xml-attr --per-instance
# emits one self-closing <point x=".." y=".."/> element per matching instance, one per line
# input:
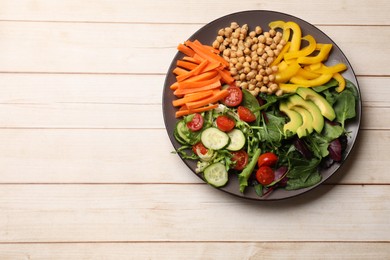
<point x="86" y="170"/>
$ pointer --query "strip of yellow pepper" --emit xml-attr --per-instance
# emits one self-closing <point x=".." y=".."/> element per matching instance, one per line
<point x="307" y="74"/>
<point x="284" y="75"/>
<point x="332" y="69"/>
<point x="289" y="88"/>
<point x="322" y="79"/>
<point x="341" y="81"/>
<point x="280" y="24"/>
<point x="303" y="52"/>
<point x="296" y="37"/>
<point x="281" y="54"/>
<point x="321" y="56"/>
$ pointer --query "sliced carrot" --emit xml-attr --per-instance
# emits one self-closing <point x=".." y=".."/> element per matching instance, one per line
<point x="196" y="71"/>
<point x="184" y="49"/>
<point x="217" y="95"/>
<point x="184" y="112"/>
<point x="225" y="75"/>
<point x="191" y="59"/>
<point x="180" y="92"/>
<point x="179" y="71"/>
<point x="192" y="97"/>
<point x="211" y="48"/>
<point x="203" y="76"/>
<point x="186" y="64"/>
<point x="197" y="84"/>
<point x="205" y="53"/>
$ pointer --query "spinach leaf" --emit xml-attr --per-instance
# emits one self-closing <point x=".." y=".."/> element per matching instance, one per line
<point x="304" y="173"/>
<point x="332" y="132"/>
<point x="344" y="106"/>
<point x="271" y="131"/>
<point x="330" y="84"/>
<point x="351" y="87"/>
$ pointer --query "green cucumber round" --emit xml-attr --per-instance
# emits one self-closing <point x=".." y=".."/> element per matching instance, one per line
<point x="237" y="140"/>
<point x="214" y="139"/>
<point x="216" y="175"/>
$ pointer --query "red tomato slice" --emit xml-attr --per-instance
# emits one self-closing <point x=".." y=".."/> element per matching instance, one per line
<point x="241" y="160"/>
<point x="267" y="159"/>
<point x="265" y="175"/>
<point x="196" y="123"/>
<point x="225" y="123"/>
<point x="245" y="114"/>
<point x="199" y="147"/>
<point x="234" y="98"/>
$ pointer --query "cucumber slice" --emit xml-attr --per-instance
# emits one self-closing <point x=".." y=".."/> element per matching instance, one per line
<point x="184" y="135"/>
<point x="237" y="140"/>
<point x="214" y="139"/>
<point x="216" y="175"/>
<point x="178" y="134"/>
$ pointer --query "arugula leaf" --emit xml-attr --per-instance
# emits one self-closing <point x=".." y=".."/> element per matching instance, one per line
<point x="344" y="106"/>
<point x="271" y="131"/>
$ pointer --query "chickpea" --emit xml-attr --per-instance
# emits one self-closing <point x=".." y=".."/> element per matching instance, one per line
<point x="242" y="76"/>
<point x="247" y="70"/>
<point x="261" y="38"/>
<point x="244" y="85"/>
<point x="216" y="44"/>
<point x="241" y="59"/>
<point x="274" y="87"/>
<point x="265" y="79"/>
<point x="239" y="53"/>
<point x="250" y="75"/>
<point x="251" y="86"/>
<point x="258" y="30"/>
<point x="279" y="47"/>
<point x="234" y="25"/>
<point x="245" y="26"/>
<point x="270" y="53"/>
<point x="222" y="47"/>
<point x="273" y="46"/>
<point x="244" y="31"/>
<point x="264" y="56"/>
<point x="275" y="68"/>
<point x="254" y="47"/>
<point x="248" y="59"/>
<point x="269" y="91"/>
<point x="266" y="34"/>
<point x="263" y="89"/>
<point x="233" y="54"/>
<point x="276" y="52"/>
<point x="262" y="72"/>
<point x="221" y="32"/>
<point x="233" y="71"/>
<point x="247" y="51"/>
<point x="268" y="41"/>
<point x="228" y="31"/>
<point x="272" y="32"/>
<point x="234" y="61"/>
<point x="270" y="60"/>
<point x="260" y="51"/>
<point x="283" y="42"/>
<point x="234" y="41"/>
<point x="259" y="77"/>
<point x="239" y="65"/>
<point x="253" y="65"/>
<point x="279" y="92"/>
<point x="271" y="77"/>
<point x="226" y="53"/>
<point x="268" y="70"/>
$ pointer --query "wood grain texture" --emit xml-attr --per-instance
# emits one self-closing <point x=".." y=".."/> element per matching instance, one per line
<point x="136" y="48"/>
<point x="172" y="212"/>
<point x="141" y="156"/>
<point x="196" y="250"/>
<point x="173" y="11"/>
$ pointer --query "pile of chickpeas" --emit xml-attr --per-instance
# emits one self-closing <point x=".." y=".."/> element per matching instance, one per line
<point x="250" y="54"/>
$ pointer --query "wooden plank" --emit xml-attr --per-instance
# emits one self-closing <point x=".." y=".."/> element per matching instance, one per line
<point x="198" y="250"/>
<point x="22" y="88"/>
<point x="119" y="116"/>
<point x="129" y="48"/>
<point x="89" y="213"/>
<point x="129" y="156"/>
<point x="173" y="11"/>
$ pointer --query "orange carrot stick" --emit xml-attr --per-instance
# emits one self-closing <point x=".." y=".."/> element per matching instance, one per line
<point x="225" y="75"/>
<point x="191" y="59"/>
<point x="205" y="53"/>
<point x="203" y="76"/>
<point x="197" y="84"/>
<point x="179" y="71"/>
<point x="218" y="95"/>
<point x="180" y="92"/>
<point x="185" y="112"/>
<point x="193" y="72"/>
<point x="192" y="97"/>
<point x="184" y="49"/>
<point x="186" y="65"/>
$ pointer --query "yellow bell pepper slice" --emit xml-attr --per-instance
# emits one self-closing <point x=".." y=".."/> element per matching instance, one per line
<point x="341" y="81"/>
<point x="296" y="37"/>
<point x="290" y="88"/>
<point x="321" y="56"/>
<point x="322" y="79"/>
<point x="280" y="24"/>
<point x="332" y="69"/>
<point x="307" y="74"/>
<point x="304" y="51"/>
<point x="281" y="54"/>
<point x="285" y="74"/>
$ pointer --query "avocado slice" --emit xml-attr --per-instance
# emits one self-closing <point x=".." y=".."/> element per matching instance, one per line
<point x="291" y="127"/>
<point x="318" y="119"/>
<point x="324" y="106"/>
<point x="307" y="120"/>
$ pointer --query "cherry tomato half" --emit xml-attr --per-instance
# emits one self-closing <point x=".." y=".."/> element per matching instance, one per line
<point x="267" y="159"/>
<point x="265" y="175"/>
<point x="196" y="123"/>
<point x="234" y="98"/>
<point x="225" y="123"/>
<point x="241" y="160"/>
<point x="199" y="147"/>
<point x="245" y="114"/>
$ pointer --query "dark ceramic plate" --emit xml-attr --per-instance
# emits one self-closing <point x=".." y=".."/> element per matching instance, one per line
<point x="207" y="35"/>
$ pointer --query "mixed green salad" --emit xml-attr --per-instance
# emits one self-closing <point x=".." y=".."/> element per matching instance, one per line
<point x="269" y="142"/>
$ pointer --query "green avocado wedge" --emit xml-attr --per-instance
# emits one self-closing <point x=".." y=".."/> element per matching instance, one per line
<point x="291" y="127"/>
<point x="307" y="120"/>
<point x="326" y="109"/>
<point x="318" y="119"/>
